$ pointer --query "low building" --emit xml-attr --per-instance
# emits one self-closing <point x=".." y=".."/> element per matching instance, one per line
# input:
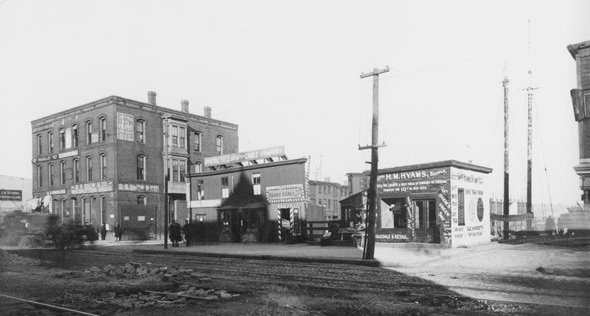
<point x="442" y="202"/>
<point x="256" y="196"/>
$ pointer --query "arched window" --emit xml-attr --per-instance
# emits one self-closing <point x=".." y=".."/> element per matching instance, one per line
<point x="219" y="145"/>
<point x="88" y="168"/>
<point x="76" y="170"/>
<point x="102" y="125"/>
<point x="74" y="136"/>
<point x="50" y="139"/>
<point x="103" y="166"/>
<point x="88" y="133"/>
<point x="142" y="200"/>
<point x="50" y="174"/>
<point x="62" y="139"/>
<point x="39" y="176"/>
<point x="198" y="141"/>
<point x="140" y="131"/>
<point x="141" y="164"/>
<point x="62" y="172"/>
<point x="39" y="145"/>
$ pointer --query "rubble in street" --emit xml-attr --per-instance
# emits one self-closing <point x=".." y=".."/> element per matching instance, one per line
<point x="9" y="259"/>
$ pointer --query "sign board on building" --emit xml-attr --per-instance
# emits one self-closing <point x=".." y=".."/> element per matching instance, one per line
<point x="125" y="126"/>
<point x="245" y="156"/>
<point x="66" y="154"/>
<point x="413" y="181"/>
<point x="93" y="187"/>
<point x="138" y="187"/>
<point x="285" y="193"/>
<point x="11" y="195"/>
<point x="55" y="192"/>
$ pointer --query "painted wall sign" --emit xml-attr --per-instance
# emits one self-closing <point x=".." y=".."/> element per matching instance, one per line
<point x="245" y="156"/>
<point x="413" y="181"/>
<point x="11" y="195"/>
<point x="54" y="192"/>
<point x="138" y="187"/>
<point x="93" y="187"/>
<point x="56" y="156"/>
<point x="125" y="124"/>
<point x="68" y="154"/>
<point x="285" y="193"/>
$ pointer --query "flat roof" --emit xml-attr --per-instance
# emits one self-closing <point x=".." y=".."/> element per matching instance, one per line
<point x="113" y="99"/>
<point x="437" y="164"/>
<point x="574" y="48"/>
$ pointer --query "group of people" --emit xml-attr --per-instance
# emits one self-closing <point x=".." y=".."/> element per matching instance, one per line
<point x="177" y="233"/>
<point x="118" y="232"/>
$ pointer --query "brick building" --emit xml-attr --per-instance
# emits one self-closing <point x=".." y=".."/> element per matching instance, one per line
<point x="104" y="162"/>
<point x="256" y="196"/>
<point x="324" y="200"/>
<point x="581" y="103"/>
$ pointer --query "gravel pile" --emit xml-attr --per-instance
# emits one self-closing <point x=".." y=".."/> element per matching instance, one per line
<point x="9" y="259"/>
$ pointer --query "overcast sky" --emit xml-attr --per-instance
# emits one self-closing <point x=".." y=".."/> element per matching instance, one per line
<point x="287" y="72"/>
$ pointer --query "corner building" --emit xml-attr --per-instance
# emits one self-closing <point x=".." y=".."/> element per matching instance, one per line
<point x="105" y="162"/>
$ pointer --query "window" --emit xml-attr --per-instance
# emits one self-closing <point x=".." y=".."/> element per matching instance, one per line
<point x="102" y="124"/>
<point x="174" y="163"/>
<point x="62" y="172"/>
<point x="224" y="187"/>
<point x="76" y="170"/>
<point x="73" y="215"/>
<point x="62" y="209"/>
<point x="39" y="145"/>
<point x="141" y="167"/>
<point x="182" y="169"/>
<point x="219" y="144"/>
<point x="50" y="175"/>
<point x="198" y="141"/>
<point x="88" y="133"/>
<point x="461" y="206"/>
<point x="142" y="200"/>
<point x="182" y="137"/>
<point x="103" y="166"/>
<point x="198" y="167"/>
<point x="174" y="136"/>
<point x="200" y="190"/>
<point x="75" y="136"/>
<point x="256" y="183"/>
<point x="50" y="138"/>
<point x="39" y="176"/>
<point x="140" y="131"/>
<point x="88" y="168"/>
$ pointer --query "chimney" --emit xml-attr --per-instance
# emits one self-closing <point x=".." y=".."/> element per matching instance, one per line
<point x="207" y="110"/>
<point x="184" y="106"/>
<point x="152" y="97"/>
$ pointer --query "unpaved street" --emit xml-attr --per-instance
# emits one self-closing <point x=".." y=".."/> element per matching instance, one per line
<point x="102" y="281"/>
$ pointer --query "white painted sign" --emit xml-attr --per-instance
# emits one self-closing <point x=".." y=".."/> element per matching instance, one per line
<point x="125" y="126"/>
<point x="138" y="187"/>
<point x="93" y="187"/>
<point x="245" y="156"/>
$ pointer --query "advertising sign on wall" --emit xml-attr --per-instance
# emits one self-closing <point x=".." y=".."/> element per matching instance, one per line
<point x="413" y="181"/>
<point x="125" y="126"/>
<point x="139" y="187"/>
<point x="93" y="187"/>
<point x="245" y="156"/>
<point x="11" y="195"/>
<point x="285" y="193"/>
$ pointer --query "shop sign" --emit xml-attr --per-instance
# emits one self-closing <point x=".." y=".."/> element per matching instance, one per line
<point x="391" y="237"/>
<point x="11" y="195"/>
<point x="56" y="156"/>
<point x="68" y="154"/>
<point x="245" y="156"/>
<point x="54" y="192"/>
<point x="125" y="126"/>
<point x="413" y="181"/>
<point x="285" y="193"/>
<point x="139" y="187"/>
<point x="93" y="187"/>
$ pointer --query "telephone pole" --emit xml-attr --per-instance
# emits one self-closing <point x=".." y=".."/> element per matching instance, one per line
<point x="529" y="180"/>
<point x="369" y="247"/>
<point x="506" y="160"/>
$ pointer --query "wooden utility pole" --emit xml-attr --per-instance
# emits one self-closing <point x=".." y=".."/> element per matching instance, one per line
<point x="506" y="160"/>
<point x="529" y="169"/>
<point x="369" y="247"/>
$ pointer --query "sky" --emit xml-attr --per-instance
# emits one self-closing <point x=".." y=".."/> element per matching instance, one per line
<point x="288" y="73"/>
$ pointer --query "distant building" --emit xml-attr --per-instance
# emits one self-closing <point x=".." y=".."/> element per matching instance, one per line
<point x="357" y="182"/>
<point x="256" y="196"/>
<point x="14" y="193"/>
<point x="324" y="200"/>
<point x="105" y="162"/>
<point x="581" y="104"/>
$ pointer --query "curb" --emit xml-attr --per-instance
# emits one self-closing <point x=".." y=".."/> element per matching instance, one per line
<point x="357" y="262"/>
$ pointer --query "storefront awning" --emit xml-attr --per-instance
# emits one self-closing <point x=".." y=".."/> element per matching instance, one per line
<point x="235" y="207"/>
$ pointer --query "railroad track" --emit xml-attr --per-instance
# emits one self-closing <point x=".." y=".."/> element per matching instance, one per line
<point x="12" y="305"/>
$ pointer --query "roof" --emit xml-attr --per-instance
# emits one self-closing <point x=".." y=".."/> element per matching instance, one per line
<point x="251" y="167"/>
<point x="113" y="99"/>
<point x="574" y="48"/>
<point x="438" y="164"/>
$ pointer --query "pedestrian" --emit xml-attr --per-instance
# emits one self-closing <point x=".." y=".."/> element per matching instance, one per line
<point x="186" y="230"/>
<point x="175" y="233"/>
<point x="118" y="232"/>
<point x="103" y="232"/>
